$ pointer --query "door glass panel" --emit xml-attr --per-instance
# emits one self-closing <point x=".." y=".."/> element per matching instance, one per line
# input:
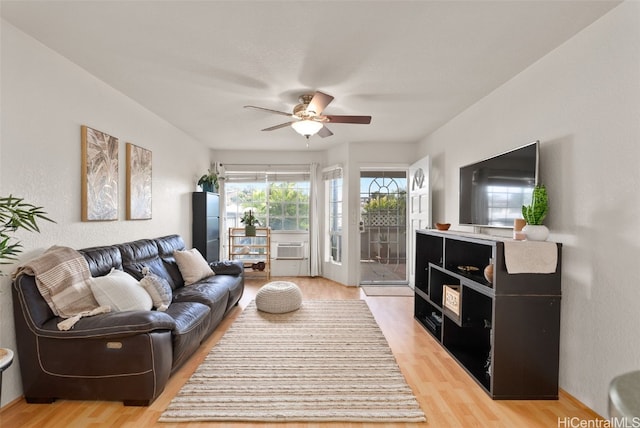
<point x="383" y="230"/>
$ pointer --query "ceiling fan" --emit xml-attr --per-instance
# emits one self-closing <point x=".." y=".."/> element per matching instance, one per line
<point x="308" y="117"/>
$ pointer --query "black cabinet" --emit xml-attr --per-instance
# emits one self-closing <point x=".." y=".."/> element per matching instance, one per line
<point x="504" y="333"/>
<point x="206" y="224"/>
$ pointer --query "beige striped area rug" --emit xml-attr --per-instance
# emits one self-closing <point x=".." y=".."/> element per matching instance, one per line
<point x="326" y="362"/>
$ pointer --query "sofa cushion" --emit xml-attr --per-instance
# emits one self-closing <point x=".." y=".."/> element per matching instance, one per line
<point x="121" y="292"/>
<point x="227" y="267"/>
<point x="212" y="291"/>
<point x="158" y="288"/>
<point x="193" y="267"/>
<point x="137" y="255"/>
<point x="102" y="259"/>
<point x="166" y="247"/>
<point x="168" y="244"/>
<point x="192" y="326"/>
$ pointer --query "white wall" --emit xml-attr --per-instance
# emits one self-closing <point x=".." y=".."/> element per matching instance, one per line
<point x="45" y="100"/>
<point x="583" y="102"/>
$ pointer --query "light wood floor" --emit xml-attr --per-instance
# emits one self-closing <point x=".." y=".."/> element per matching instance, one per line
<point x="448" y="396"/>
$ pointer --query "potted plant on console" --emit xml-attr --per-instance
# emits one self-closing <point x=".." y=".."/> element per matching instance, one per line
<point x="250" y="222"/>
<point x="209" y="182"/>
<point x="535" y="214"/>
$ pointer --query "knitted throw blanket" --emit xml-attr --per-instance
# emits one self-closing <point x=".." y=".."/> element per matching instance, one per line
<point x="62" y="276"/>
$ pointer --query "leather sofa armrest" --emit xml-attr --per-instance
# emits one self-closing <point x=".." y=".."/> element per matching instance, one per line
<point x="227" y="267"/>
<point x="110" y="325"/>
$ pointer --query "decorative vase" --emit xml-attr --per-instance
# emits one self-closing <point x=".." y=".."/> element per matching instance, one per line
<point x="536" y="232"/>
<point x="518" y="234"/>
<point x="488" y="272"/>
<point x="208" y="187"/>
<point x="249" y="230"/>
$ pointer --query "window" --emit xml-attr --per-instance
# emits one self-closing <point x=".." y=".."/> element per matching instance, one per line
<point x="279" y="198"/>
<point x="333" y="192"/>
<point x="288" y="205"/>
<point x="504" y="203"/>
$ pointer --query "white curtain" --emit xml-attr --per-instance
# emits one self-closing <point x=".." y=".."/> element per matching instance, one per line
<point x="222" y="221"/>
<point x="315" y="256"/>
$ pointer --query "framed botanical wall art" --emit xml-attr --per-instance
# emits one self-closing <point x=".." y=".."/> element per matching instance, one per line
<point x="139" y="168"/>
<point x="99" y="176"/>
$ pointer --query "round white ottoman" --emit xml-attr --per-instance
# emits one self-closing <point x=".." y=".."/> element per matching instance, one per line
<point x="278" y="297"/>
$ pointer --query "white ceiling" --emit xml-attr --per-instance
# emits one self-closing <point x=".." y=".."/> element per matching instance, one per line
<point x="411" y="65"/>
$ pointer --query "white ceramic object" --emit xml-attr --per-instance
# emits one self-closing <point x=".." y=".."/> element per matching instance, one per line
<point x="536" y="232"/>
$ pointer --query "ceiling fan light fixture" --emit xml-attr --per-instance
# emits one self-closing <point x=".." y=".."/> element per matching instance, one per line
<point x="307" y="117"/>
<point x="307" y="127"/>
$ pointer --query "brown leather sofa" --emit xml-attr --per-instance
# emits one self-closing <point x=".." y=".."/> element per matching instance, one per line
<point x="120" y="356"/>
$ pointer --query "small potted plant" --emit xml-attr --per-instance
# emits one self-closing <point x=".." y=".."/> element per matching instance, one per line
<point x="535" y="214"/>
<point x="209" y="182"/>
<point x="250" y="222"/>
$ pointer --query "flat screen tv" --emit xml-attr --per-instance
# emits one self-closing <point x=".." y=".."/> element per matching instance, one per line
<point x="493" y="191"/>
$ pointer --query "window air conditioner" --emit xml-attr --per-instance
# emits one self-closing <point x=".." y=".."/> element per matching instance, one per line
<point x="290" y="251"/>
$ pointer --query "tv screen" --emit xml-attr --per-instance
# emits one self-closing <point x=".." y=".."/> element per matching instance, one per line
<point x="493" y="191"/>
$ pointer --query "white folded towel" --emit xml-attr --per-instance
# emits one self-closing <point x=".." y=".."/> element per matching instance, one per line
<point x="530" y="256"/>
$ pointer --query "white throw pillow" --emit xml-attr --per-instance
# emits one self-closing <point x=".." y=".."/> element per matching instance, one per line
<point x="158" y="288"/>
<point x="193" y="267"/>
<point x="121" y="292"/>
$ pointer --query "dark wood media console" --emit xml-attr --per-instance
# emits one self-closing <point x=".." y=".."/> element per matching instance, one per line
<point x="505" y="334"/>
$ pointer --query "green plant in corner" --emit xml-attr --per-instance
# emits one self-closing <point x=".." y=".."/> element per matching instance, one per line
<point x="535" y="213"/>
<point x="209" y="181"/>
<point x="16" y="214"/>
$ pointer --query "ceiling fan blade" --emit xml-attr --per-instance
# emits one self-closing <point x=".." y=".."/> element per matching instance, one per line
<point x="319" y="102"/>
<point x="270" y="111"/>
<point x="325" y="132"/>
<point x="273" y="128"/>
<point x="364" y="120"/>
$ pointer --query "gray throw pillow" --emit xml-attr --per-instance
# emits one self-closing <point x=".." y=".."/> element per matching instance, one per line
<point x="158" y="288"/>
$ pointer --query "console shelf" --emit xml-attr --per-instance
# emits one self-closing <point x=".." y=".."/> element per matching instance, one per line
<point x="504" y="333"/>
